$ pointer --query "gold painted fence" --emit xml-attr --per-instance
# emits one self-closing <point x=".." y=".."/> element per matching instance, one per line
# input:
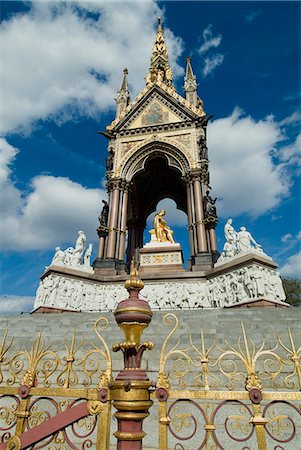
<point x="55" y="399"/>
<point x="237" y="395"/>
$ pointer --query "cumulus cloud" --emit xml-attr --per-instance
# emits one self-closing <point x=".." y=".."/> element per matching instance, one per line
<point x="71" y="56"/>
<point x="53" y="210"/>
<point x="292" y="268"/>
<point x="244" y="174"/>
<point x="15" y="304"/>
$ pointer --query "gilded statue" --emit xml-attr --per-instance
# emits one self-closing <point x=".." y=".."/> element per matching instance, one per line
<point x="163" y="232"/>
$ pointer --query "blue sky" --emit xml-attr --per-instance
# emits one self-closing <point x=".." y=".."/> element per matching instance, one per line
<point x="61" y="68"/>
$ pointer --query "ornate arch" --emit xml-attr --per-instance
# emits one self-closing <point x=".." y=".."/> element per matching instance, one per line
<point x="176" y="157"/>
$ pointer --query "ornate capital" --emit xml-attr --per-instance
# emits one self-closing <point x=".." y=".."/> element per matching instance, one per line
<point x="102" y="231"/>
<point x="117" y="183"/>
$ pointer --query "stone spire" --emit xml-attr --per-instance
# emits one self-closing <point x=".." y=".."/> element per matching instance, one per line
<point x="160" y="69"/>
<point x="190" y="84"/>
<point x="123" y="96"/>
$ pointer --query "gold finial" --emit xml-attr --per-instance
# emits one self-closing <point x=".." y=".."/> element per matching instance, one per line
<point x="160" y="70"/>
<point x="134" y="281"/>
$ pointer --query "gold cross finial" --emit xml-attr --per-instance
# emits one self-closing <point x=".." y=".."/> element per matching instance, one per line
<point x="160" y="70"/>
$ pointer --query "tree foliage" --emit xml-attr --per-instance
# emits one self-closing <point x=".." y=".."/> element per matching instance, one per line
<point x="292" y="287"/>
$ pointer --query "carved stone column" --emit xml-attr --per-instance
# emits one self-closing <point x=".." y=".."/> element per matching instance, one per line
<point x="123" y="221"/>
<point x="135" y="237"/>
<point x="212" y="240"/>
<point x="190" y="215"/>
<point x="199" y="213"/>
<point x="130" y="389"/>
<point x="114" y="185"/>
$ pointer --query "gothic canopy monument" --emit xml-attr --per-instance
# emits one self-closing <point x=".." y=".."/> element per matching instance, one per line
<point x="157" y="148"/>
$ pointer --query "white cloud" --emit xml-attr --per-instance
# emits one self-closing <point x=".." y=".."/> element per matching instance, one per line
<point x="210" y="41"/>
<point x="244" y="175"/>
<point x="51" y="213"/>
<point x="290" y="156"/>
<point x="294" y="119"/>
<point x="211" y="63"/>
<point x="286" y="238"/>
<point x="7" y="155"/>
<point x="292" y="268"/>
<point x="15" y="304"/>
<point x="71" y="63"/>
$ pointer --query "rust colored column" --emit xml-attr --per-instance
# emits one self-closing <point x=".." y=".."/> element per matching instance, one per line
<point x="113" y="223"/>
<point x="123" y="225"/>
<point x="199" y="212"/>
<point x="190" y="220"/>
<point x="212" y="236"/>
<point x="130" y="389"/>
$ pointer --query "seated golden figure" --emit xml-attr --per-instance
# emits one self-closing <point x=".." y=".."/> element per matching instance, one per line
<point x="163" y="232"/>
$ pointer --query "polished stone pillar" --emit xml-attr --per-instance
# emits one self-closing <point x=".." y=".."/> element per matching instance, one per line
<point x="191" y="221"/>
<point x="202" y="246"/>
<point x="212" y="236"/>
<point x="101" y="247"/>
<point x="113" y="220"/>
<point x="123" y="224"/>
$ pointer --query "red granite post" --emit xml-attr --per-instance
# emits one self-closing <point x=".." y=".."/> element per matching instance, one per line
<point x="130" y="389"/>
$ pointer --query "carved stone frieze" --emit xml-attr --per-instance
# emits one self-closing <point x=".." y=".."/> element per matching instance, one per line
<point x="155" y="128"/>
<point x="236" y="286"/>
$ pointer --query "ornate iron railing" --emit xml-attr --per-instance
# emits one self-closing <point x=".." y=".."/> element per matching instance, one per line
<point x="55" y="399"/>
<point x="241" y="395"/>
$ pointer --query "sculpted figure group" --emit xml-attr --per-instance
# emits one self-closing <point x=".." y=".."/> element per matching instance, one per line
<point x="74" y="256"/>
<point x="238" y="242"/>
<point x="66" y="293"/>
<point x="245" y="284"/>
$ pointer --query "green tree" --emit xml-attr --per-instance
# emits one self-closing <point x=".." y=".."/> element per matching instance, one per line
<point x="292" y="287"/>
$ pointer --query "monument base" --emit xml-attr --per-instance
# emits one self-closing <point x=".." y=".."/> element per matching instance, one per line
<point x="203" y="261"/>
<point x="161" y="257"/>
<point x="241" y="281"/>
<point x="108" y="266"/>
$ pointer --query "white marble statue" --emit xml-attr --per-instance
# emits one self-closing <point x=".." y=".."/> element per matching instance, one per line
<point x="76" y="256"/>
<point x="238" y="243"/>
<point x="79" y="249"/>
<point x="230" y="233"/>
<point x="245" y="241"/>
<point x="59" y="257"/>
<point x="87" y="255"/>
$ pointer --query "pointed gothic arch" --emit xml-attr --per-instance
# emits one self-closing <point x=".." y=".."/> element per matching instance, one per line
<point x="136" y="162"/>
